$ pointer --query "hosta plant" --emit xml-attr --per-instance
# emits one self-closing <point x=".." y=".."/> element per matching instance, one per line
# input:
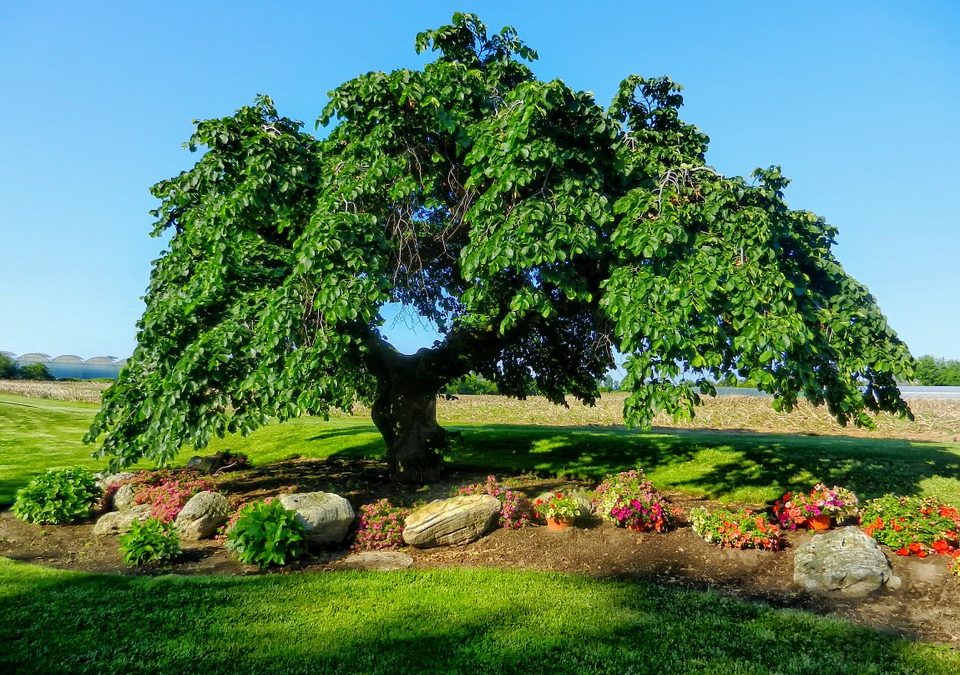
<point x="912" y="525"/>
<point x="742" y="528"/>
<point x="266" y="534"/>
<point x="58" y="496"/>
<point x="795" y="510"/>
<point x="558" y="505"/>
<point x="380" y="526"/>
<point x="150" y="541"/>
<point x="629" y="500"/>
<point x="516" y="511"/>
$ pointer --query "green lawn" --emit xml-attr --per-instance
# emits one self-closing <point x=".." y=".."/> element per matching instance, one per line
<point x="460" y="620"/>
<point x="754" y="468"/>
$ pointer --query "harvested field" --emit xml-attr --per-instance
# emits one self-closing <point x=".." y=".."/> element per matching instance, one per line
<point x="77" y="392"/>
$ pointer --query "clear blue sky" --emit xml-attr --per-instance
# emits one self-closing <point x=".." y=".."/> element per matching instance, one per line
<point x="858" y="102"/>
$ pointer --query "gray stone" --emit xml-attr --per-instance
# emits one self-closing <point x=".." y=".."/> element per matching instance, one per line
<point x="586" y="504"/>
<point x="458" y="520"/>
<point x="202" y="515"/>
<point x="106" y="480"/>
<point x="376" y="561"/>
<point x="206" y="464"/>
<point x="123" y="498"/>
<point x="844" y="560"/>
<point x="119" y="522"/>
<point x="326" y="516"/>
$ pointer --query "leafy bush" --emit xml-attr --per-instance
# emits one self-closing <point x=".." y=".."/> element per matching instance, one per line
<point x="34" y="371"/>
<point x="628" y="499"/>
<point x="381" y="526"/>
<point x="151" y="541"/>
<point x="741" y="529"/>
<point x="795" y="510"/>
<point x="266" y="534"/>
<point x="912" y="525"/>
<point x="167" y="492"/>
<point x="8" y="368"/>
<point x="557" y="505"/>
<point x="58" y="496"/>
<point x="516" y="511"/>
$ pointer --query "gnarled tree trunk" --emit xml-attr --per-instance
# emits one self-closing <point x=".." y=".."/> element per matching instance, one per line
<point x="406" y="415"/>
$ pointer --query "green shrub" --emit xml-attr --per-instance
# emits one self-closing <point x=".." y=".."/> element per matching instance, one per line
<point x="149" y="542"/>
<point x="8" y="368"/>
<point x="58" y="496"/>
<point x="34" y="371"/>
<point x="266" y="534"/>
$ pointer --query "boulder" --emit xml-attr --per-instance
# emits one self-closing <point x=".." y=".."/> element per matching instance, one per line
<point x="458" y="520"/>
<point x="326" y="516"/>
<point x="106" y="480"/>
<point x="202" y="515"/>
<point x="586" y="504"/>
<point x="376" y="561"/>
<point x="119" y="522"/>
<point x="846" y="560"/>
<point x="206" y="464"/>
<point x="123" y="498"/>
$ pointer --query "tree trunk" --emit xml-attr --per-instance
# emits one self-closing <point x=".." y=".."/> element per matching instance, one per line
<point x="405" y="412"/>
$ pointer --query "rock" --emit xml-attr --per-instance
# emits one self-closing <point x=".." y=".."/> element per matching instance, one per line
<point x="844" y="560"/>
<point x="123" y="498"/>
<point x="586" y="504"/>
<point x="202" y="515"/>
<point x="376" y="561"/>
<point x="457" y="520"/>
<point x="326" y="516"/>
<point x="206" y="464"/>
<point x="106" y="480"/>
<point x="119" y="522"/>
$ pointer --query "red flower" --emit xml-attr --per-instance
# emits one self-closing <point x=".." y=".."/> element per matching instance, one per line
<point x="941" y="546"/>
<point x="903" y="551"/>
<point x="915" y="547"/>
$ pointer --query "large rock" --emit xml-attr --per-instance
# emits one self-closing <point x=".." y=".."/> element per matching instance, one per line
<point x="457" y="520"/>
<point x="844" y="560"/>
<point x="123" y="498"/>
<point x="106" y="480"/>
<point x="202" y="515"/>
<point x="326" y="516"/>
<point x="206" y="463"/>
<point x="119" y="522"/>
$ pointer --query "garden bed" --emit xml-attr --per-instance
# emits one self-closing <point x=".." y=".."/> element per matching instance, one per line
<point x="926" y="607"/>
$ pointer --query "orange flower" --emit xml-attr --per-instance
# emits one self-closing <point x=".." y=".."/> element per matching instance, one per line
<point x="915" y="547"/>
<point x="903" y="551"/>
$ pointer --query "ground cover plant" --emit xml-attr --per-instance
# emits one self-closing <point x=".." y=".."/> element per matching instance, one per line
<point x="795" y="509"/>
<point x="516" y="511"/>
<point x="912" y="525"/>
<point x="58" y="496"/>
<point x="736" y="528"/>
<point x="380" y="526"/>
<point x="453" y="620"/>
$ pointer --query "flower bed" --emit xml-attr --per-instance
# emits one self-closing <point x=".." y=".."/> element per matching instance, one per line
<point x="743" y="528"/>
<point x="628" y="499"/>
<point x="165" y="490"/>
<point x="516" y="511"/>
<point x="912" y="525"/>
<point x="380" y="526"/>
<point x="795" y="510"/>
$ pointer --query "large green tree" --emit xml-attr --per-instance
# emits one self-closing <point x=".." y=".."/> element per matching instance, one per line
<point x="539" y="232"/>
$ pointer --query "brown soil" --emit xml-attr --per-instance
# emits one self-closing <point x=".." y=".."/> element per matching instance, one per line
<point x="926" y="607"/>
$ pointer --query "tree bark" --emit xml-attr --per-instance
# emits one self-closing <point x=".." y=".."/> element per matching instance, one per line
<point x="406" y="415"/>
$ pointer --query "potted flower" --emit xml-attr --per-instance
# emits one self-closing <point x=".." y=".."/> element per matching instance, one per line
<point x="818" y="509"/>
<point x="558" y="510"/>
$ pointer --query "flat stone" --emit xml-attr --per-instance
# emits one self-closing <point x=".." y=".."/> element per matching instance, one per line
<point x="325" y="516"/>
<point x="445" y="522"/>
<point x="846" y="560"/>
<point x="123" y="498"/>
<point x="202" y="515"/>
<point x="376" y="561"/>
<point x="119" y="522"/>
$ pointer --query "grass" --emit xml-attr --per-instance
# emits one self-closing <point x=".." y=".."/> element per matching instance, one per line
<point x="455" y="620"/>
<point x="36" y="434"/>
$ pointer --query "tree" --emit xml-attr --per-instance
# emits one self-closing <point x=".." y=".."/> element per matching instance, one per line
<point x="930" y="371"/>
<point x="539" y="232"/>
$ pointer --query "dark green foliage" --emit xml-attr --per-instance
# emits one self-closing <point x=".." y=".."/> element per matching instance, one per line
<point x="34" y="371"/>
<point x="58" y="496"/>
<point x="932" y="372"/>
<point x="8" y="368"/>
<point x="266" y="534"/>
<point x="151" y="541"/>
<point x="538" y="231"/>
<point x="471" y="384"/>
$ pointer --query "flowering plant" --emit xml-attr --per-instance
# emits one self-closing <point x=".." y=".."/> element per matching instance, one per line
<point x="557" y="505"/>
<point x="515" y="509"/>
<point x="794" y="510"/>
<point x="628" y="499"/>
<point x="380" y="527"/>
<point x="912" y="525"/>
<point x="168" y="496"/>
<point x="742" y="528"/>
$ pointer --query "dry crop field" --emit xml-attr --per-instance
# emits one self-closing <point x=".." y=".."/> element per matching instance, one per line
<point x="936" y="420"/>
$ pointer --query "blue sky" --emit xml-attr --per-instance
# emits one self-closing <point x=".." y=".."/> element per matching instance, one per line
<point x="858" y="102"/>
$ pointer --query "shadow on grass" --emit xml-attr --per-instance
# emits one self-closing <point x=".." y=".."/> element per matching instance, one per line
<point x="419" y="621"/>
<point x="744" y="466"/>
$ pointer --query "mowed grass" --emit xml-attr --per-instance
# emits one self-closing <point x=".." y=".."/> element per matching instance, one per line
<point x="754" y="468"/>
<point x="445" y="621"/>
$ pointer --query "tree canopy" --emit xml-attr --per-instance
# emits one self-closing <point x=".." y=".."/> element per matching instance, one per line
<point x="541" y="233"/>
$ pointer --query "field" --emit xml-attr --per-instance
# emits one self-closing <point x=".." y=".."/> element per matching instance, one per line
<point x="453" y="616"/>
